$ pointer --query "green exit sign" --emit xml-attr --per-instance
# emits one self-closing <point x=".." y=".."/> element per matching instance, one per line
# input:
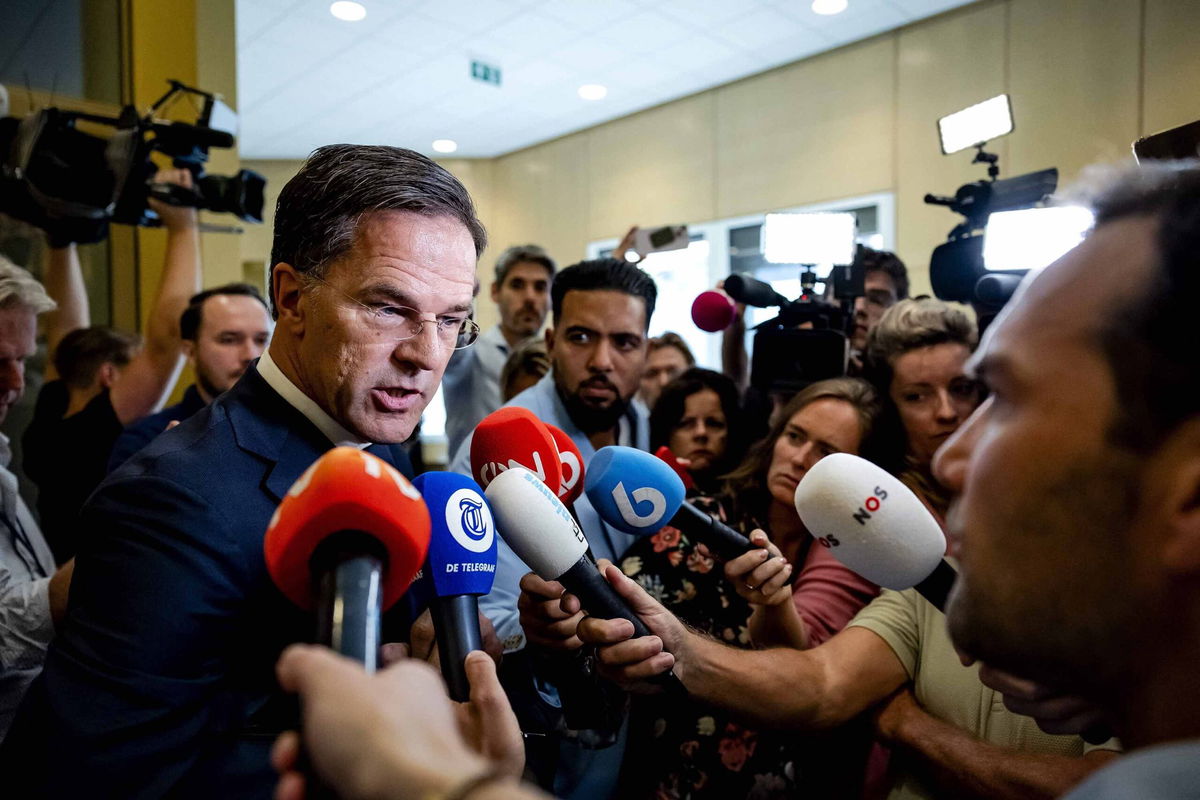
<point x="485" y="72"/>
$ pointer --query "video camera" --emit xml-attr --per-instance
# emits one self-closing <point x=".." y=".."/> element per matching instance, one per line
<point x="809" y="340"/>
<point x="73" y="184"/>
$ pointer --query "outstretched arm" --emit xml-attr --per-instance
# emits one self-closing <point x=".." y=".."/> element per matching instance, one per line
<point x="960" y="765"/>
<point x="64" y="283"/>
<point x="148" y="378"/>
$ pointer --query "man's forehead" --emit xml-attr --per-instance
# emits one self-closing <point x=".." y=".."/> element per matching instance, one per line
<point x="1073" y="299"/>
<point x="605" y="310"/>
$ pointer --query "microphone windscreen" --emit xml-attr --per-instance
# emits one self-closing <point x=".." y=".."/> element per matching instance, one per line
<point x="535" y="523"/>
<point x="514" y="437"/>
<point x="347" y="489"/>
<point x="462" y="543"/>
<point x="872" y="522"/>
<point x="570" y="461"/>
<point x="632" y="490"/>
<point x="712" y="311"/>
<point x="665" y="455"/>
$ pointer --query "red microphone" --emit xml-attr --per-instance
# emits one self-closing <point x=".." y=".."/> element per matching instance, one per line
<point x="570" y="461"/>
<point x="712" y="311"/>
<point x="514" y="437"/>
<point x="347" y="541"/>
<point x="665" y="455"/>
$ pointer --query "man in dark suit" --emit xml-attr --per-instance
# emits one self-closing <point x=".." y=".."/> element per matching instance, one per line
<point x="161" y="683"/>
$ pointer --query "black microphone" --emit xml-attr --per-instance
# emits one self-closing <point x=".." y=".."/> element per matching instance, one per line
<point x="753" y="292"/>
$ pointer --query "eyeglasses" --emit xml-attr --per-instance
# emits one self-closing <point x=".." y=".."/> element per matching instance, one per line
<point x="400" y="323"/>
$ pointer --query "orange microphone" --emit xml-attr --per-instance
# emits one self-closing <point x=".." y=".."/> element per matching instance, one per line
<point x="347" y="541"/>
<point x="514" y="437"/>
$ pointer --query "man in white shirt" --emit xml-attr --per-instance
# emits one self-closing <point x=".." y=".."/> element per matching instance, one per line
<point x="33" y="596"/>
<point x="471" y="386"/>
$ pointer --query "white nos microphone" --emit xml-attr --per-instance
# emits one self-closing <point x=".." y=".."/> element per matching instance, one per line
<point x="875" y="526"/>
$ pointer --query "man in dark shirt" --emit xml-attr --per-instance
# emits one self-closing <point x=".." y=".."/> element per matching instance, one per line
<point x="161" y="683"/>
<point x="224" y="329"/>
<point x="106" y="380"/>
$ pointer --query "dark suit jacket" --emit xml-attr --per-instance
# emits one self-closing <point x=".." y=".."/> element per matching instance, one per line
<point x="142" y="432"/>
<point x="162" y="681"/>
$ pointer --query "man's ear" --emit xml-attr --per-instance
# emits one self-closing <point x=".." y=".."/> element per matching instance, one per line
<point x="549" y="339"/>
<point x="286" y="289"/>
<point x="1180" y="458"/>
<point x="107" y="374"/>
<point x="189" y="350"/>
<point x="495" y="292"/>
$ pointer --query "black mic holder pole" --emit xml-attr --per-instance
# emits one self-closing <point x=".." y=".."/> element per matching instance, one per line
<point x="456" y="626"/>
<point x="348" y="570"/>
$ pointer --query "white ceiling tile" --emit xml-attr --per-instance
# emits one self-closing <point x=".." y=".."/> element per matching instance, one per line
<point x="761" y="26"/>
<point x="643" y="73"/>
<point x="589" y="14"/>
<point x="252" y="19"/>
<point x="419" y="34"/>
<point x="531" y="32"/>
<point x="920" y="9"/>
<point x="588" y="54"/>
<point x="650" y="31"/>
<point x="470" y="16"/>
<point x="704" y="13"/>
<point x="694" y="51"/>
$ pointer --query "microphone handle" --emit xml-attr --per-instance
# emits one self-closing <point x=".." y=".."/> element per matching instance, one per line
<point x="348" y="569"/>
<point x="597" y="596"/>
<point x="599" y="599"/>
<point x="456" y="623"/>
<point x="936" y="586"/>
<point x="724" y="542"/>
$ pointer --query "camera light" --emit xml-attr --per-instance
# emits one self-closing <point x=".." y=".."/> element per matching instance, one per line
<point x="828" y="7"/>
<point x="825" y="239"/>
<point x="977" y="124"/>
<point x="1032" y="238"/>
<point x="593" y="91"/>
<point x="444" y="145"/>
<point x="348" y="10"/>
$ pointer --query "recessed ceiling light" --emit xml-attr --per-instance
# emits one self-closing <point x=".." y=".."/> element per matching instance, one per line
<point x="828" y="7"/>
<point x="445" y="145"/>
<point x="593" y="91"/>
<point x="348" y="10"/>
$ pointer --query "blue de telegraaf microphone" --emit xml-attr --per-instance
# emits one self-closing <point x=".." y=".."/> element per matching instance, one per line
<point x="639" y="494"/>
<point x="460" y="567"/>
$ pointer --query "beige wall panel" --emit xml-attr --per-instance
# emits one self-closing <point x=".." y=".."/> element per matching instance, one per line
<point x="653" y="168"/>
<point x="541" y="196"/>
<point x="812" y="131"/>
<point x="256" y="241"/>
<point x="1073" y="67"/>
<point x="944" y="65"/>
<point x="1172" y="77"/>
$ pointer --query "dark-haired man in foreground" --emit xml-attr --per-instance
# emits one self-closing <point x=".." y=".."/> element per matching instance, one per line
<point x="1083" y="570"/>
<point x="161" y="682"/>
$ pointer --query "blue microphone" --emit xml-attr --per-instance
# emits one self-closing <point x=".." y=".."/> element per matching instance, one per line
<point x="639" y="494"/>
<point x="460" y="567"/>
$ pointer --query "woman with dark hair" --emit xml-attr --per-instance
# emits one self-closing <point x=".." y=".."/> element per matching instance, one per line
<point x="696" y="418"/>
<point x="681" y="748"/>
<point x="916" y="359"/>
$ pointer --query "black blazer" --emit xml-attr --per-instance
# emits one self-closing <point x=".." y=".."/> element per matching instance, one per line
<point x="162" y="680"/>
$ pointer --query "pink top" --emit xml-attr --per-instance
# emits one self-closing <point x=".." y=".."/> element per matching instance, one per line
<point x="827" y="594"/>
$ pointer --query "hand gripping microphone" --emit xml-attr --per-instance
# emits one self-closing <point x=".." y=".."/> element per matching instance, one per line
<point x="460" y="568"/>
<point x="571" y="463"/>
<point x="637" y="493"/>
<point x="712" y="311"/>
<point x="540" y="530"/>
<point x="875" y="525"/>
<point x="514" y="437"/>
<point x="346" y="541"/>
